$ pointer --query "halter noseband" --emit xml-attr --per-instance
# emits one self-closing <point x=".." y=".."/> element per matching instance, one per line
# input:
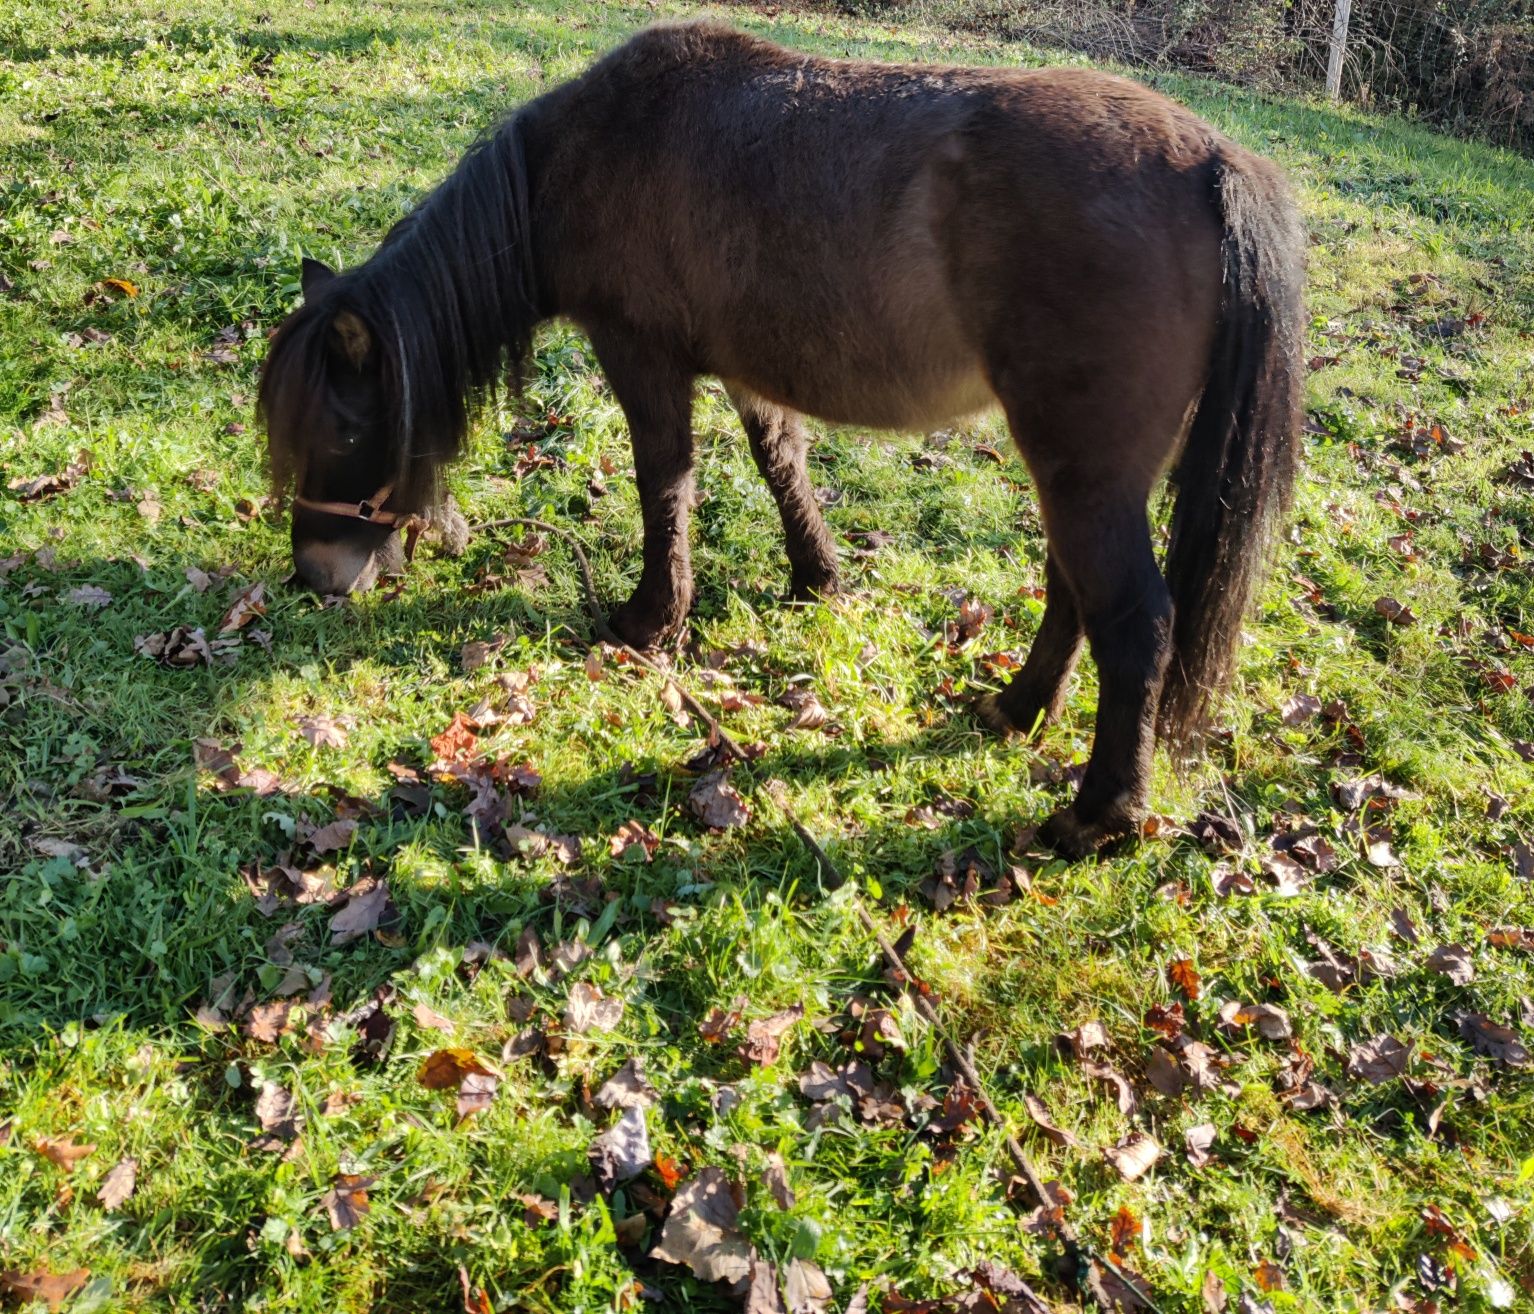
<point x="369" y="509"/>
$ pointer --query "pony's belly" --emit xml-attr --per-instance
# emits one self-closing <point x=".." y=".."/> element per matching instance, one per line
<point x="891" y="395"/>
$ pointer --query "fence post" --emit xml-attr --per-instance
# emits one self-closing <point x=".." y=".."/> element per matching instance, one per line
<point x="1339" y="48"/>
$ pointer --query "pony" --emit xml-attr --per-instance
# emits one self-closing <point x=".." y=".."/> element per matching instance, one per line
<point x="884" y="245"/>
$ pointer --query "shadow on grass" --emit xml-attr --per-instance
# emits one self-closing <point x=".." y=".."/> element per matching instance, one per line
<point x="157" y="892"/>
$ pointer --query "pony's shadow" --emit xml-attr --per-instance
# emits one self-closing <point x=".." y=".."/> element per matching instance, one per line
<point x="147" y="827"/>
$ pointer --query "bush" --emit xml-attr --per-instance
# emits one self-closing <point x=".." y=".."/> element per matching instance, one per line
<point x="1464" y="65"/>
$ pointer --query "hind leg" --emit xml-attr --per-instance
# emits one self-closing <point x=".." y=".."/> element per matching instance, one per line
<point x="1105" y="554"/>
<point x="779" y="445"/>
<point x="1035" y="696"/>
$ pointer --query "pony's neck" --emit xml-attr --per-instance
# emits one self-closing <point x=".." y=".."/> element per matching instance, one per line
<point x="451" y="294"/>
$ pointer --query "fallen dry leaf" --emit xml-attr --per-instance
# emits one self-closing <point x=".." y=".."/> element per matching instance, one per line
<point x="214" y="757"/>
<point x="1123" y="1091"/>
<point x="476" y="1300"/>
<point x="1272" y="1023"/>
<point x="64" y="1151"/>
<point x="1378" y="852"/>
<point x="589" y="1009"/>
<point x="478" y="652"/>
<point x="970" y="620"/>
<point x="1299" y="709"/>
<point x="1403" y="927"/>
<point x="323" y="731"/>
<point x="671" y="700"/>
<point x="1288" y="877"/>
<point x="1213" y="1293"/>
<point x="1453" y="961"/>
<point x="476" y="1093"/>
<point x="627" y="1088"/>
<point x="1185" y="977"/>
<point x="270" y="1021"/>
<point x="445" y="1069"/>
<point x="809" y="712"/>
<point x="118" y="1184"/>
<point x="1379" y="1060"/>
<point x="1511" y="937"/>
<point x="1228" y="880"/>
<point x="999" y="1288"/>
<point x="181" y="647"/>
<point x="762" y="1290"/>
<point x="1164" y="1073"/>
<point x="426" y="1016"/>
<point x="702" y="1230"/>
<point x="716" y="803"/>
<point x="367" y="905"/>
<point x="334" y="837"/>
<point x="90" y="596"/>
<point x="1134" y="1155"/>
<point x="347" y="1200"/>
<point x="1197" y="1141"/>
<point x="633" y="834"/>
<point x="1081" y="1040"/>
<point x="54" y="846"/>
<point x="246" y="605"/>
<point x="37" y="487"/>
<point x="458" y="742"/>
<point x="805" y="1288"/>
<point x="1269" y="1276"/>
<point x="277" y="1111"/>
<point x="775" y="1179"/>
<point x="717" y="1023"/>
<point x="764" y="1036"/>
<point x="54" y="1288"/>
<point x="853" y="1079"/>
<point x="1493" y="1039"/>
<point x="622" y="1152"/>
<point x="1045" y="1123"/>
<point x="1123" y="1232"/>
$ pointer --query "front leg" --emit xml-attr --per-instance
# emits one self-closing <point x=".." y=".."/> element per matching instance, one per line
<point x="656" y="396"/>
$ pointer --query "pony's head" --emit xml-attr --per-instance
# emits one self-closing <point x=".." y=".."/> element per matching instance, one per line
<point x="369" y="386"/>
<point x="331" y="399"/>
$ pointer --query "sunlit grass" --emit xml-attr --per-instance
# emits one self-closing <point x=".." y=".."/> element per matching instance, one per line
<point x="196" y="152"/>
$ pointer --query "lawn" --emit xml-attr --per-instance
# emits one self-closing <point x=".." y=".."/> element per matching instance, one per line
<point x="324" y="929"/>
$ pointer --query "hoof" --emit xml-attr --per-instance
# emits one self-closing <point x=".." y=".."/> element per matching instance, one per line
<point x="813" y="588"/>
<point x="642" y="629"/>
<point x="988" y="711"/>
<point x="992" y="713"/>
<point x="1072" y="838"/>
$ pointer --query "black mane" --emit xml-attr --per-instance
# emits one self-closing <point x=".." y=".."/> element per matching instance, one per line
<point x="450" y="301"/>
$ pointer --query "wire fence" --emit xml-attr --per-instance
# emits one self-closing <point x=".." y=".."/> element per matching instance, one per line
<point x="1466" y="66"/>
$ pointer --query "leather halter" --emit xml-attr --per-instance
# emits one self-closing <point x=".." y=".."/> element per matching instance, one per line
<point x="369" y="509"/>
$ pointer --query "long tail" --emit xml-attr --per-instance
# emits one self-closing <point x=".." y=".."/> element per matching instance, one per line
<point x="1235" y="476"/>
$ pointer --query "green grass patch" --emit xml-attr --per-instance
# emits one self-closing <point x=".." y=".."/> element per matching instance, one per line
<point x="193" y="152"/>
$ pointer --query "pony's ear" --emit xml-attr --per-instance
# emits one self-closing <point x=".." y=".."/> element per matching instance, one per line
<point x="313" y="275"/>
<point x="350" y="337"/>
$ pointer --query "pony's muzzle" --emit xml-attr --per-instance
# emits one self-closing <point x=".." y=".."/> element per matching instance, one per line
<point x="337" y="567"/>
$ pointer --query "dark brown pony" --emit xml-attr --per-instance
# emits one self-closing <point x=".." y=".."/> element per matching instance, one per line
<point x="881" y="245"/>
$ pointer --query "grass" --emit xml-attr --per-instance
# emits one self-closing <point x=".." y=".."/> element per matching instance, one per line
<point x="194" y="151"/>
